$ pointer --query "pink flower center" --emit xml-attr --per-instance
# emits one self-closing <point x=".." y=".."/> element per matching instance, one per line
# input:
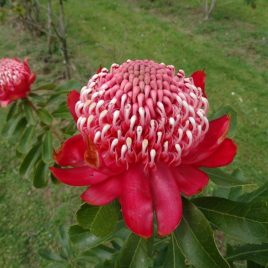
<point x="141" y="111"/>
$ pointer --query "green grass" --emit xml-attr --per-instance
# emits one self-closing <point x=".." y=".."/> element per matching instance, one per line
<point x="232" y="47"/>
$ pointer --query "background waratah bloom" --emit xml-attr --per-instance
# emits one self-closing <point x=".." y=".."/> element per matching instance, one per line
<point x="144" y="136"/>
<point x="15" y="80"/>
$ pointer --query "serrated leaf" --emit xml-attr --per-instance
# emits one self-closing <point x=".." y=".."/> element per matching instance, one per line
<point x="224" y="179"/>
<point x="174" y="257"/>
<point x="243" y="221"/>
<point x="135" y="253"/>
<point x="26" y="139"/>
<point x="41" y="172"/>
<point x="99" y="220"/>
<point x="44" y="116"/>
<point x="255" y="253"/>
<point x="29" y="160"/>
<point x="47" y="148"/>
<point x="195" y="238"/>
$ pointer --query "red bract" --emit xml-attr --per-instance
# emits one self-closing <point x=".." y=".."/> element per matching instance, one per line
<point x="15" y="80"/>
<point x="144" y="136"/>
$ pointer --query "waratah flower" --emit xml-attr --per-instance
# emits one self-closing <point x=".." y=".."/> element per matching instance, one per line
<point x="144" y="136"/>
<point x="15" y="80"/>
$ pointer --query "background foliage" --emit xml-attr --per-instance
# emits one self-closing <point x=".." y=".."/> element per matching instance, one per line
<point x="231" y="46"/>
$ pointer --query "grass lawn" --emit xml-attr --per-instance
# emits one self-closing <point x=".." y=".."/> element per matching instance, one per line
<point x="232" y="47"/>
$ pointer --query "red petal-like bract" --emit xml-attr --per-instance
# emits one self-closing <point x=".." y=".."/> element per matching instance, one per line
<point x="71" y="152"/>
<point x="15" y="80"/>
<point x="199" y="78"/>
<point x="167" y="200"/>
<point x="72" y="99"/>
<point x="144" y="137"/>
<point x="136" y="201"/>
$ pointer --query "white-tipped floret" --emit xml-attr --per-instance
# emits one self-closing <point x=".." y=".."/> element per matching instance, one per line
<point x="113" y="144"/>
<point x="139" y="133"/>
<point x="144" y="145"/>
<point x="97" y="136"/>
<point x="115" y="116"/>
<point x="152" y="155"/>
<point x="132" y="122"/>
<point x="129" y="143"/>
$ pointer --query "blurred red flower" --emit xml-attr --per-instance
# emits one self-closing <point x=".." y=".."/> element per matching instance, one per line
<point x="15" y="80"/>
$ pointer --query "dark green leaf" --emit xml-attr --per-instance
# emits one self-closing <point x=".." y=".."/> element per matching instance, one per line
<point x="44" y="116"/>
<point x="26" y="139"/>
<point x="99" y="220"/>
<point x="83" y="239"/>
<point x="10" y="127"/>
<point x="29" y="160"/>
<point x="49" y="255"/>
<point x="261" y="194"/>
<point x="256" y="253"/>
<point x="174" y="257"/>
<point x="12" y="111"/>
<point x="19" y="129"/>
<point x="224" y="179"/>
<point x="41" y="175"/>
<point x="29" y="113"/>
<point x="135" y="253"/>
<point x="251" y="264"/>
<point x="47" y="149"/>
<point x="195" y="238"/>
<point x="244" y="221"/>
<point x="45" y="87"/>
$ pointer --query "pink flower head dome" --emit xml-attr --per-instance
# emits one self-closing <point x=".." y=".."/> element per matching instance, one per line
<point x="15" y="80"/>
<point x="142" y="112"/>
<point x="144" y="135"/>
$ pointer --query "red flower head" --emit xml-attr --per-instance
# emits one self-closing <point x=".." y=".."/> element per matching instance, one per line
<point x="15" y="80"/>
<point x="144" y="136"/>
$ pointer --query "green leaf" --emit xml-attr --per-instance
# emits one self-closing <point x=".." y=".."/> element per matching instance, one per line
<point x="260" y="194"/>
<point x="44" y="116"/>
<point x="135" y="253"/>
<point x="29" y="160"/>
<point x="19" y="129"/>
<point x="195" y="237"/>
<point x="45" y="87"/>
<point x="49" y="255"/>
<point x="47" y="148"/>
<point x="232" y="113"/>
<point x="174" y="256"/>
<point x="243" y="221"/>
<point x="10" y="127"/>
<point x="41" y="172"/>
<point x="255" y="253"/>
<point x="12" y="111"/>
<point x="26" y="139"/>
<point x="100" y="220"/>
<point x="251" y="264"/>
<point x="224" y="179"/>
<point x="83" y="239"/>
<point x="29" y="113"/>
